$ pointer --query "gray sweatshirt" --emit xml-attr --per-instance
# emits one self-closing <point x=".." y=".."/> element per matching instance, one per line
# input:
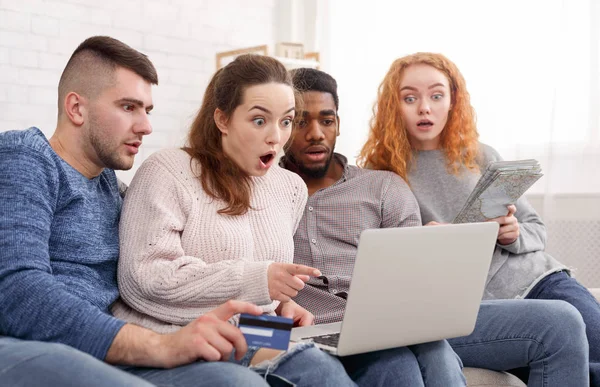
<point x="516" y="268"/>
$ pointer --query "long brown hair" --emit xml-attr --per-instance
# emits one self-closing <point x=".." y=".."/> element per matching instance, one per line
<point x="388" y="147"/>
<point x="220" y="176"/>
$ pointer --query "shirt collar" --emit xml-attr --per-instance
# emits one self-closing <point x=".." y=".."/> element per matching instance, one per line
<point x="344" y="161"/>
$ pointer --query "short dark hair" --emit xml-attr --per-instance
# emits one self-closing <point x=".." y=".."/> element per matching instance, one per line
<point x="307" y="79"/>
<point x="93" y="63"/>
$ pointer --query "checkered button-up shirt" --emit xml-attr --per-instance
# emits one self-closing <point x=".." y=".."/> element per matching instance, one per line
<point x="334" y="217"/>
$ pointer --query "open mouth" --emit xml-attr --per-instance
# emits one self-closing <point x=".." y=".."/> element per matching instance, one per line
<point x="267" y="158"/>
<point x="316" y="156"/>
<point x="316" y="153"/>
<point x="424" y="124"/>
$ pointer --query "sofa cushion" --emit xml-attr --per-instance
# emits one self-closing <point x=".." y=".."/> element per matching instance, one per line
<point x="480" y="377"/>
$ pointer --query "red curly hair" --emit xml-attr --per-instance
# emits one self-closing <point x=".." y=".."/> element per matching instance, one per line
<point x="388" y="147"/>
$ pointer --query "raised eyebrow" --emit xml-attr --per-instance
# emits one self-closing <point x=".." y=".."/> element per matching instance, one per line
<point x="436" y="85"/>
<point x="260" y="108"/>
<point x="409" y="88"/>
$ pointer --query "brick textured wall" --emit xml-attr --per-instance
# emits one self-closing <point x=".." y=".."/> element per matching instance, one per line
<point x="181" y="37"/>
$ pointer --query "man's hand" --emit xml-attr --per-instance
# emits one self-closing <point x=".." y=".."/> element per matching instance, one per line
<point x="509" y="227"/>
<point x="301" y="316"/>
<point x="287" y="279"/>
<point x="210" y="337"/>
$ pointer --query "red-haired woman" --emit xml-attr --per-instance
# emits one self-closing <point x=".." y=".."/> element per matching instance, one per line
<point x="424" y="130"/>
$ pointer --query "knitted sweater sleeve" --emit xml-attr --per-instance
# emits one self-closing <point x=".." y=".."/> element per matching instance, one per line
<point x="532" y="236"/>
<point x="155" y="274"/>
<point x="34" y="305"/>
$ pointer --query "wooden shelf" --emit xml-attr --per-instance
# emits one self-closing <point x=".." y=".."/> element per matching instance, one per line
<point x="291" y="63"/>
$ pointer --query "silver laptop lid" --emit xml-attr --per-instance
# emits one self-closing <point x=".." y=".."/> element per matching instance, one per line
<point x="415" y="285"/>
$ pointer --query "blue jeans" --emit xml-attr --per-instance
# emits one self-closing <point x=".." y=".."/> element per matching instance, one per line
<point x="302" y="365"/>
<point x="546" y="336"/>
<point x="439" y="364"/>
<point x="429" y="364"/>
<point x="33" y="363"/>
<point x="306" y="365"/>
<point x="560" y="286"/>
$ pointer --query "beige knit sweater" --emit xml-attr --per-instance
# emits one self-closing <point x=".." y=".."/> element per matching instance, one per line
<point x="180" y="259"/>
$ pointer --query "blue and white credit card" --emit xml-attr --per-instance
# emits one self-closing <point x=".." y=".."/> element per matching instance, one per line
<point x="266" y="331"/>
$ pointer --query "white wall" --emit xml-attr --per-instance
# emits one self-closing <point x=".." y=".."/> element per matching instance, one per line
<point x="181" y="38"/>
<point x="531" y="66"/>
<point x="573" y="226"/>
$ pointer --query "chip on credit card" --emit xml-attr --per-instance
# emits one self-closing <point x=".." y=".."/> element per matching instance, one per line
<point x="266" y="331"/>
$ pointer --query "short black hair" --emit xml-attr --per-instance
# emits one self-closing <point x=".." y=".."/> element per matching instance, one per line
<point x="307" y="79"/>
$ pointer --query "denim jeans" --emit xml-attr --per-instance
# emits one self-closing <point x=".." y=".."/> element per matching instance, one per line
<point x="32" y="364"/>
<point x="546" y="336"/>
<point x="306" y="365"/>
<point x="439" y="364"/>
<point x="429" y="364"/>
<point x="560" y="286"/>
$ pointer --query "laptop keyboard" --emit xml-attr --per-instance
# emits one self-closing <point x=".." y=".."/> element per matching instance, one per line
<point x="329" y="340"/>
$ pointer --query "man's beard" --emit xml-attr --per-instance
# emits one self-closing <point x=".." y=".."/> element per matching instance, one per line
<point x="106" y="151"/>
<point x="313" y="173"/>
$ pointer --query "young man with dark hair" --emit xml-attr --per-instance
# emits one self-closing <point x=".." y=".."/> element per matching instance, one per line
<point x="546" y="336"/>
<point x="337" y="192"/>
<point x="59" y="244"/>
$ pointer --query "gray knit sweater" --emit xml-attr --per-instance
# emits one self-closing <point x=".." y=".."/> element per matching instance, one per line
<point x="515" y="268"/>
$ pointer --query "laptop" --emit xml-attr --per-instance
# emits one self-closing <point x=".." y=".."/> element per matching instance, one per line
<point x="410" y="285"/>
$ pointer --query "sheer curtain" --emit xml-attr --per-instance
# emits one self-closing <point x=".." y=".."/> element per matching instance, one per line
<point x="532" y="68"/>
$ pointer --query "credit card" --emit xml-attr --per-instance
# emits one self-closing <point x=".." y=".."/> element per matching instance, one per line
<point x="266" y="331"/>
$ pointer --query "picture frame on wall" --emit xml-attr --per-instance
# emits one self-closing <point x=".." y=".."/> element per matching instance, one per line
<point x="290" y="50"/>
<point x="225" y="57"/>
